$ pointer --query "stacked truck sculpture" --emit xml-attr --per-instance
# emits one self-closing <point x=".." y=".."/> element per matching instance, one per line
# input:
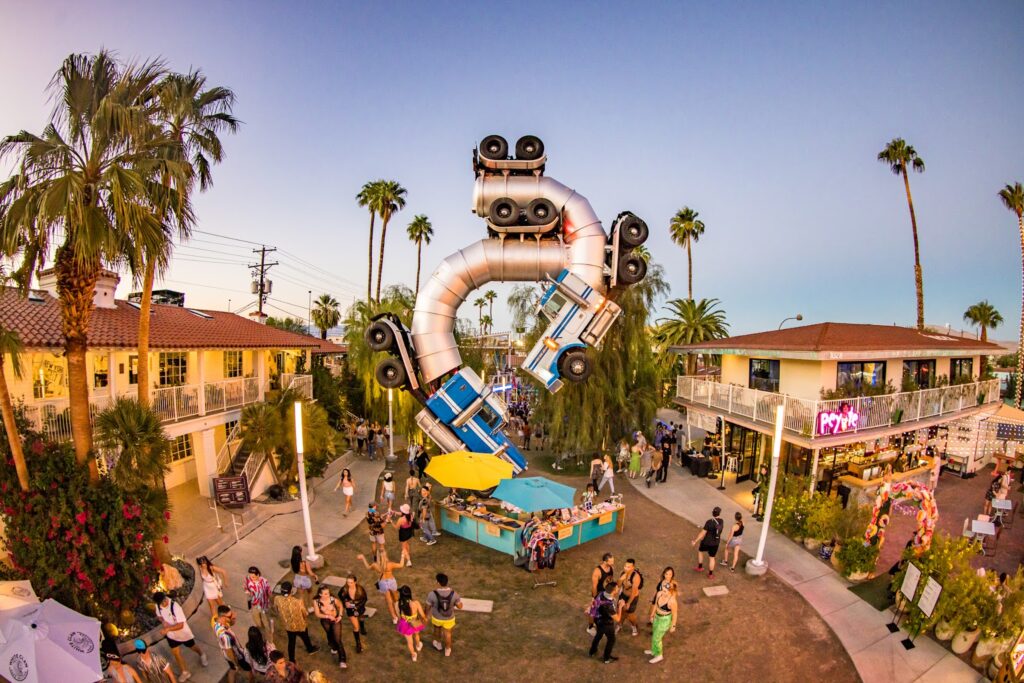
<point x="538" y="230"/>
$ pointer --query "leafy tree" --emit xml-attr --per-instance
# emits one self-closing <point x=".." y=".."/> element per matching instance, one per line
<point x="420" y="231"/>
<point x="685" y="229"/>
<point x="10" y="345"/>
<point x="900" y="156"/>
<point x="691" y="322"/>
<point x="1012" y="197"/>
<point x="522" y="302"/>
<point x="390" y="198"/>
<point x="326" y="314"/>
<point x="288" y="324"/>
<point x="328" y="392"/>
<point x="985" y="316"/>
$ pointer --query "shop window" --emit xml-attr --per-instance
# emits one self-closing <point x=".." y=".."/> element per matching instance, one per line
<point x="133" y="369"/>
<point x="961" y="370"/>
<point x="173" y="368"/>
<point x="181" y="448"/>
<point x="100" y="372"/>
<point x="764" y="374"/>
<point x="232" y="364"/>
<point x="918" y="374"/>
<point x="861" y="374"/>
<point x="48" y="378"/>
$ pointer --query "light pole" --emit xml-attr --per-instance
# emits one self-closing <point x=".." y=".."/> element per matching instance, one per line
<point x="758" y="566"/>
<point x="391" y="430"/>
<point x="798" y="317"/>
<point x="311" y="555"/>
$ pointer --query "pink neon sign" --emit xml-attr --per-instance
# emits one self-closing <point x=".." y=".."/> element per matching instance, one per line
<point x="837" y="421"/>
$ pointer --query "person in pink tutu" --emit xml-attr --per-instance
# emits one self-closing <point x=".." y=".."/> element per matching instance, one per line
<point x="411" y="620"/>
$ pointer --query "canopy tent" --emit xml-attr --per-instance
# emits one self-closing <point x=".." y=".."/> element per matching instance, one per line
<point x="535" y="493"/>
<point x="49" y="643"/>
<point x="466" y="470"/>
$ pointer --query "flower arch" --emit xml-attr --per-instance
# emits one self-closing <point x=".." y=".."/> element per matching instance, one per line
<point x="927" y="514"/>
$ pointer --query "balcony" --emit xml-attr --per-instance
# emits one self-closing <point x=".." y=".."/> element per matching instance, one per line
<point x="814" y="420"/>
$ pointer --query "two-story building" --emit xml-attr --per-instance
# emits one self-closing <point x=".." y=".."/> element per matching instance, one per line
<point x="857" y="399"/>
<point x="204" y="366"/>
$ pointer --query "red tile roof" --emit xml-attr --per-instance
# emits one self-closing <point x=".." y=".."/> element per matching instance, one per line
<point x="171" y="327"/>
<point x="823" y="337"/>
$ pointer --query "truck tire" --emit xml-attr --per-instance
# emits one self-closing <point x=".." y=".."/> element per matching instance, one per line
<point x="632" y="269"/>
<point x="575" y="366"/>
<point x="529" y="148"/>
<point x="632" y="232"/>
<point x="541" y="212"/>
<point x="494" y="148"/>
<point x="390" y="374"/>
<point x="379" y="337"/>
<point x="504" y="212"/>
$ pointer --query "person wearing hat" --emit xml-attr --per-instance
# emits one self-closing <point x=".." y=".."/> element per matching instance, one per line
<point x="152" y="667"/>
<point x="117" y="670"/>
<point x="292" y="613"/>
<point x="406" y="525"/>
<point x="177" y="632"/>
<point x="387" y="490"/>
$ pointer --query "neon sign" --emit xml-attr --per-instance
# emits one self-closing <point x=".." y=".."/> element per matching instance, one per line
<point x="846" y="419"/>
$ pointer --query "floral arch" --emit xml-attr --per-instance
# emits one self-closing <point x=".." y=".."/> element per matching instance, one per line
<point x="927" y="514"/>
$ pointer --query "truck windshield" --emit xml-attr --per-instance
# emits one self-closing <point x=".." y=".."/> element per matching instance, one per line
<point x="490" y="418"/>
<point x="553" y="305"/>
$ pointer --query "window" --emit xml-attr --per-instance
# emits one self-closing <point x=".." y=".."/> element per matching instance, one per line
<point x="232" y="364"/>
<point x="490" y="417"/>
<point x="133" y="369"/>
<point x="861" y="374"/>
<point x="100" y="371"/>
<point x="553" y="305"/>
<point x="48" y="377"/>
<point x="961" y="369"/>
<point x="229" y="427"/>
<point x="764" y="374"/>
<point x="920" y="372"/>
<point x="173" y="368"/>
<point x="181" y="448"/>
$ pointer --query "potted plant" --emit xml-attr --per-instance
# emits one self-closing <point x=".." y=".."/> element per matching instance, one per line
<point x="857" y="559"/>
<point x="971" y="604"/>
<point x="1005" y="623"/>
<point x="820" y="522"/>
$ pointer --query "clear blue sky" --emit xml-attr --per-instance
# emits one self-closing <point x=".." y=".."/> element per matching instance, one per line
<point x="766" y="120"/>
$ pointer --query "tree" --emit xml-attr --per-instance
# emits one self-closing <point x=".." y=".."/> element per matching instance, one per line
<point x="263" y="429"/>
<point x="899" y="156"/>
<point x="326" y="314"/>
<point x="480" y="302"/>
<point x="1013" y="199"/>
<point x="420" y="231"/>
<point x="10" y="345"/>
<point x="485" y="324"/>
<point x="490" y="295"/>
<point x="287" y="324"/>
<point x="522" y="302"/>
<point x="691" y="322"/>
<point x="84" y="181"/>
<point x="367" y="197"/>
<point x="390" y="198"/>
<point x="985" y="316"/>
<point x="685" y="229"/>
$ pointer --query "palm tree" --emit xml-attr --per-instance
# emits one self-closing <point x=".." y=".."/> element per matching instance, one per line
<point x="84" y="181"/>
<point x="1013" y="199"/>
<point x="490" y="295"/>
<point x="691" y="322"/>
<point x="420" y="231"/>
<point x="643" y="252"/>
<point x="480" y="302"/>
<point x="263" y="429"/>
<point x="192" y="117"/>
<point x="685" y="229"/>
<point x="899" y="156"/>
<point x="367" y="197"/>
<point x="485" y="324"/>
<point x="984" y="315"/>
<point x="390" y="200"/>
<point x="326" y="313"/>
<point x="10" y="345"/>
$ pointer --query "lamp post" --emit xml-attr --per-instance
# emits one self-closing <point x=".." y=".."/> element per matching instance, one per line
<point x="390" y="459"/>
<point x="721" y="461"/>
<point x="758" y="566"/>
<point x="798" y="317"/>
<point x="311" y="555"/>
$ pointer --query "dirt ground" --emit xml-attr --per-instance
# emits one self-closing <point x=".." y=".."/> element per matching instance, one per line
<point x="761" y="627"/>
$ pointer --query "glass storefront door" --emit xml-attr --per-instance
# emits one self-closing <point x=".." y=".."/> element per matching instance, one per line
<point x="746" y="445"/>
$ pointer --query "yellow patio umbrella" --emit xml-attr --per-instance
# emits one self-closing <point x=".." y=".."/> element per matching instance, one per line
<point x="466" y="470"/>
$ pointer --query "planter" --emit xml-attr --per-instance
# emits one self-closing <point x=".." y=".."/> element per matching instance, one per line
<point x="835" y="558"/>
<point x="995" y="664"/>
<point x="944" y="630"/>
<point x="987" y="647"/>
<point x="858" y="576"/>
<point x="812" y="544"/>
<point x="964" y="640"/>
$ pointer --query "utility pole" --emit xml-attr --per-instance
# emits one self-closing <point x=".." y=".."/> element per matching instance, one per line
<point x="261" y="286"/>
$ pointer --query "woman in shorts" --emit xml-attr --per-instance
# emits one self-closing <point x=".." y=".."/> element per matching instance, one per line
<point x="411" y="620"/>
<point x="304" y="577"/>
<point x="347" y="487"/>
<point x="387" y="487"/>
<point x="386" y="584"/>
<point x="734" y="544"/>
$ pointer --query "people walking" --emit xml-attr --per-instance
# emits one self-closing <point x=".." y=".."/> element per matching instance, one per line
<point x="353" y="599"/>
<point x="411" y="620"/>
<point x="668" y="575"/>
<point x="630" y="583"/>
<point x="666" y="458"/>
<point x="117" y="670"/>
<point x="622" y="456"/>
<point x="176" y="629"/>
<point x="761" y="492"/>
<point x="387" y="490"/>
<point x="596" y="470"/>
<point x="634" y="462"/>
<point x="232" y="650"/>
<point x="734" y="543"/>
<point x="601" y="575"/>
<point x="375" y="523"/>
<point x="213" y="579"/>
<point x="709" y="538"/>
<point x="283" y="671"/>
<point x="151" y="667"/>
<point x="422" y="460"/>
<point x="656" y="459"/>
<point x="607" y="474"/>
<point x="646" y="460"/>
<point x="257" y="591"/>
<point x="258" y="650"/>
<point x="405" y="523"/>
<point x="292" y="613"/>
<point x="413" y="485"/>
<point x="348" y="488"/>
<point x="304" y="577"/>
<point x="443" y="602"/>
<point x="361" y="433"/>
<point x="605" y="616"/>
<point x="386" y="584"/>
<point x="664" y="612"/>
<point x="426" y="513"/>
<point x="328" y="610"/>
<point x="379" y="439"/>
<point x="371" y="441"/>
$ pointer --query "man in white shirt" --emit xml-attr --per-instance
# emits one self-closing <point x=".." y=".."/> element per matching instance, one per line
<point x="177" y="631"/>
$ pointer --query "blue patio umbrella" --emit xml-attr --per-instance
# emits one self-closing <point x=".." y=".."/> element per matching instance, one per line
<point x="535" y="493"/>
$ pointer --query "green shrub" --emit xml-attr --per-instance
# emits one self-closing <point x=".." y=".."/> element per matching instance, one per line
<point x="856" y="557"/>
<point x="822" y="518"/>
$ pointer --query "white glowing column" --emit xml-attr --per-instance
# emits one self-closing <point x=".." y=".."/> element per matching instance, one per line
<point x="758" y="564"/>
<point x="303" y="494"/>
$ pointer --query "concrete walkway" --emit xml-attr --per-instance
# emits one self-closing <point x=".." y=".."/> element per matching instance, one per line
<point x="878" y="655"/>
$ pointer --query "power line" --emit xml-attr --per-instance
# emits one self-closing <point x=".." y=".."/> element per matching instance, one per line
<point x="228" y="237"/>
<point x="326" y="272"/>
<point x="262" y="290"/>
<point x="197" y="284"/>
<point x="211" y="251"/>
<point x="196" y="258"/>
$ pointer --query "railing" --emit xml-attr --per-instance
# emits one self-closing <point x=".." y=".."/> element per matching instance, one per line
<point x="231" y="393"/>
<point x="53" y="417"/>
<point x="251" y="470"/>
<point x="227" y="452"/>
<point x="801" y="415"/>
<point x="175" y="403"/>
<point x="303" y="384"/>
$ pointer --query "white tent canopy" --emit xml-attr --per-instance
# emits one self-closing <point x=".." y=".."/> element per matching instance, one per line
<point x="49" y="643"/>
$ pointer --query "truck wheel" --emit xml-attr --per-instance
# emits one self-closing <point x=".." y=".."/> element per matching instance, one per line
<point x="632" y="269"/>
<point x="575" y="366"/>
<point x="390" y="373"/>
<point x="632" y="232"/>
<point x="504" y="212"/>
<point x="541" y="212"/>
<point x="529" y="148"/>
<point x="494" y="148"/>
<point x="379" y="336"/>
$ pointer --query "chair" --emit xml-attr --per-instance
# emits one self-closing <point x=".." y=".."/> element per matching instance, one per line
<point x="730" y="463"/>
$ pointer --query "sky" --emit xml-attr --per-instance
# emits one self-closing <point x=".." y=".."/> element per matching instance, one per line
<point x="766" y="120"/>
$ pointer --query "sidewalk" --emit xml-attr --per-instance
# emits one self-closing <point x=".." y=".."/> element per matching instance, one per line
<point x="878" y="655"/>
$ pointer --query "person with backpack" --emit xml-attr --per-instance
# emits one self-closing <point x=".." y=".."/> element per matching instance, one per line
<point x="231" y="648"/>
<point x="709" y="538"/>
<point x="443" y="602"/>
<point x="630" y="583"/>
<point x="605" y="615"/>
<point x="602" y="574"/>
<point x="176" y="630"/>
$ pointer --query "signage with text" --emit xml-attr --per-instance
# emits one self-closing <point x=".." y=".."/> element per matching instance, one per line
<point x="846" y="419"/>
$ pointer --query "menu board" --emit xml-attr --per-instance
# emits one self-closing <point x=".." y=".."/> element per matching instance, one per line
<point x="910" y="581"/>
<point x="231" y="491"/>
<point x="929" y="596"/>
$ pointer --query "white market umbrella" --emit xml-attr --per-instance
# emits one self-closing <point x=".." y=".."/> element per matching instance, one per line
<point x="15" y="594"/>
<point x="48" y="644"/>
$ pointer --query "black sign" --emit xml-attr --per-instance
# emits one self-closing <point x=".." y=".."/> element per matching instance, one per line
<point x="231" y="491"/>
<point x="1006" y="431"/>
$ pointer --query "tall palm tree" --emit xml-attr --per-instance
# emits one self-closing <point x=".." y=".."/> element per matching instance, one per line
<point x="420" y="231"/>
<point x="326" y="313"/>
<point x="485" y="324"/>
<point x="490" y="295"/>
<point x="691" y="322"/>
<point x="10" y="345"/>
<point x="1013" y="199"/>
<point x="480" y="302"/>
<point x="367" y="197"/>
<point x="192" y="116"/>
<point x="900" y="156"/>
<point x="390" y="200"/>
<point x="685" y="229"/>
<point x="985" y="316"/>
<point x="84" y="181"/>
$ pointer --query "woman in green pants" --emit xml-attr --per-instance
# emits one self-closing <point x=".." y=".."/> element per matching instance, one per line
<point x="663" y="612"/>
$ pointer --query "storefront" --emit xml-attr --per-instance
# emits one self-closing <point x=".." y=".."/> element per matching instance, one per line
<point x="744" y="450"/>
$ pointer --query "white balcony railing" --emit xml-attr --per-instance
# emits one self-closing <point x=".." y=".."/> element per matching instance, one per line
<point x="805" y="417"/>
<point x="303" y="384"/>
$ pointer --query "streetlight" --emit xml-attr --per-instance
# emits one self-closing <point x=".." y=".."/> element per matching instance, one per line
<point x="797" y="317"/>
<point x="757" y="566"/>
<point x="391" y="431"/>
<point x="311" y="555"/>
